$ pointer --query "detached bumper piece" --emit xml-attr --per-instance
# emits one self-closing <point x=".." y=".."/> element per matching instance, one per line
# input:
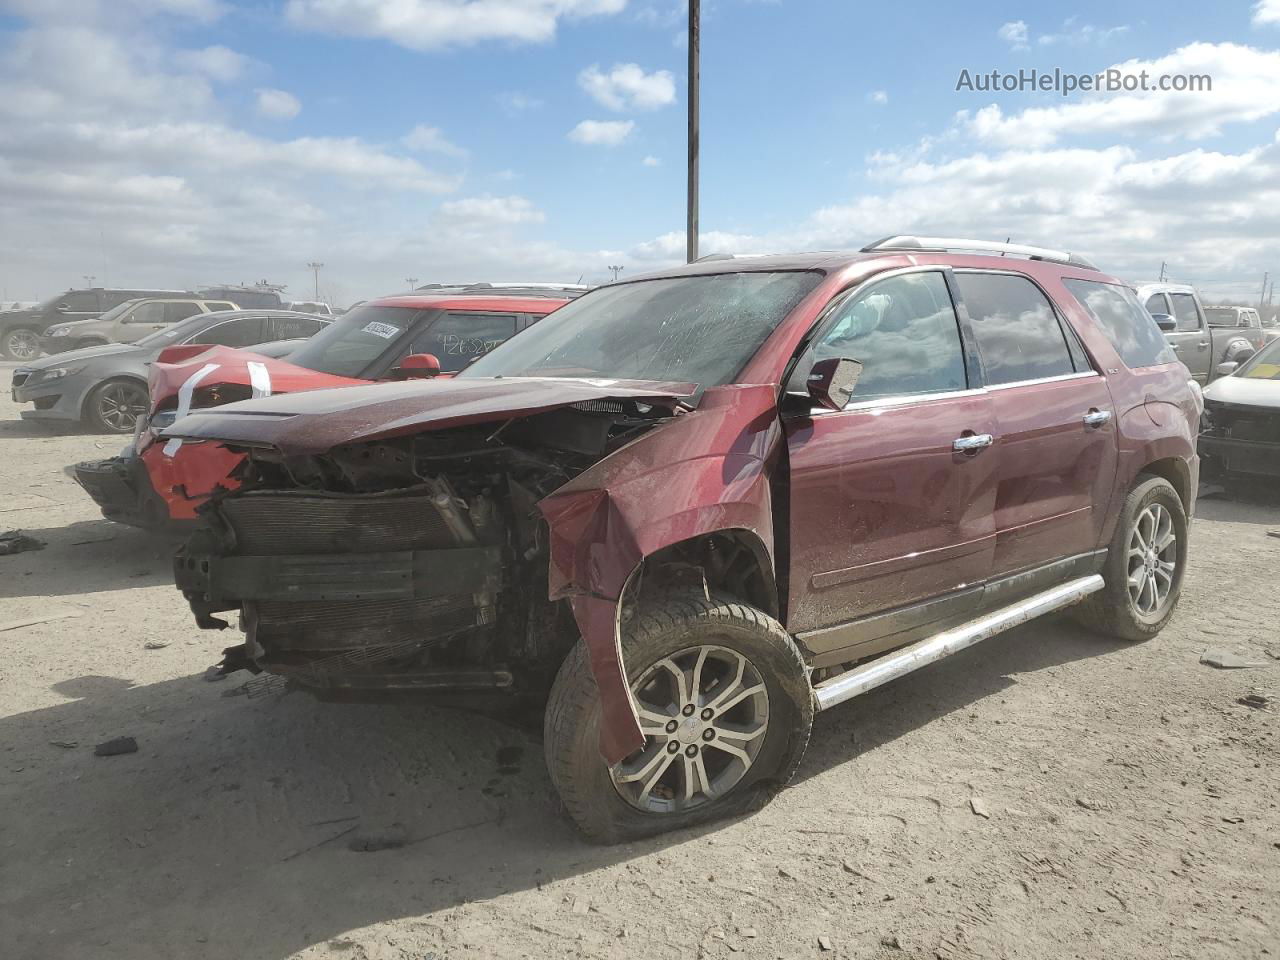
<point x="121" y="488"/>
<point x="350" y="592"/>
<point x="1241" y="440"/>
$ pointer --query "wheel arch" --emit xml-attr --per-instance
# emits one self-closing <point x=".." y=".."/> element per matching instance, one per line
<point x="1178" y="472"/>
<point x="733" y="561"/>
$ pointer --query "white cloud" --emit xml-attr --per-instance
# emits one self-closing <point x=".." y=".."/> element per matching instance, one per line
<point x="1014" y="33"/>
<point x="513" y="101"/>
<point x="652" y="161"/>
<point x="671" y="247"/>
<point x="492" y="210"/>
<point x="1245" y="87"/>
<point x="628" y="87"/>
<point x="1266" y="12"/>
<point x="878" y="96"/>
<point x="81" y="11"/>
<point x="426" y="139"/>
<point x="1080" y="35"/>
<point x="435" y="24"/>
<point x="216" y="62"/>
<point x="605" y="133"/>
<point x="277" y="104"/>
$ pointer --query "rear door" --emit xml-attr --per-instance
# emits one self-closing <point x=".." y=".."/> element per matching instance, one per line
<point x="1191" y="341"/>
<point x="236" y="332"/>
<point x="891" y="498"/>
<point x="293" y="328"/>
<point x="1057" y="450"/>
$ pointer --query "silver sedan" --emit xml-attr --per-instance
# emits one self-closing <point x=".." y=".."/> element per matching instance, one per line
<point x="105" y="387"/>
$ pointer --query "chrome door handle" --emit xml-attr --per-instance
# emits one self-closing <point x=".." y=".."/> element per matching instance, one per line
<point x="972" y="443"/>
<point x="1203" y="343"/>
<point x="1096" y="418"/>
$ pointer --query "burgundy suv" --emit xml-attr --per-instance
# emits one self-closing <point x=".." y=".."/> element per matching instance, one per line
<point x="689" y="510"/>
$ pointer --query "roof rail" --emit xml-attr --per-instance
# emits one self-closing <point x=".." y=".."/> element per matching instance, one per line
<point x="956" y="245"/>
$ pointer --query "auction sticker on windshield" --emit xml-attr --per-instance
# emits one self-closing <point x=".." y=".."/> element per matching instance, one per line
<point x="384" y="330"/>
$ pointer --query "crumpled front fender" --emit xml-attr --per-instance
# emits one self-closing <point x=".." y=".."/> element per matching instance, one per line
<point x="703" y="472"/>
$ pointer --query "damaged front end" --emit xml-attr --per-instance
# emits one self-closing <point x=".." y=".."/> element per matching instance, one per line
<point x="408" y="562"/>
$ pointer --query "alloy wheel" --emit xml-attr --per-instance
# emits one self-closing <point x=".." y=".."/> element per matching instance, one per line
<point x="1152" y="560"/>
<point x="120" y="405"/>
<point x="704" y="712"/>
<point x="22" y="345"/>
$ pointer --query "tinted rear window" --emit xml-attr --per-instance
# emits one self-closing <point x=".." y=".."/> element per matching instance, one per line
<point x="1016" y="328"/>
<point x="1127" y="325"/>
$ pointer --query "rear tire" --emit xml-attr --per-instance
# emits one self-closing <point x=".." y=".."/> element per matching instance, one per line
<point x="736" y="759"/>
<point x="20" y="343"/>
<point x="1144" y="568"/>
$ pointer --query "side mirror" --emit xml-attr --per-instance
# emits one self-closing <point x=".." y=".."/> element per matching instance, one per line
<point x="831" y="381"/>
<point x="1226" y="368"/>
<point x="419" y="366"/>
<point x="62" y="308"/>
<point x="1165" y="322"/>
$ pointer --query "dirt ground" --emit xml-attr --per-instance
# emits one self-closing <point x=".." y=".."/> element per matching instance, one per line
<point x="1129" y="801"/>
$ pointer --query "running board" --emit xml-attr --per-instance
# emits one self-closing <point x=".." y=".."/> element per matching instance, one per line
<point x="923" y="652"/>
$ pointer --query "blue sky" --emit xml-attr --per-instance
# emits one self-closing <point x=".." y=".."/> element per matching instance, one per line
<point x="188" y="141"/>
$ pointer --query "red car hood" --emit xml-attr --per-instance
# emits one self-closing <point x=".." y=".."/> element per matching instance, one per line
<point x="176" y="365"/>
<point x="308" y="423"/>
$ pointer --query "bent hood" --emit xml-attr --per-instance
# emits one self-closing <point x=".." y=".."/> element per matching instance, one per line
<point x="309" y="423"/>
<point x="196" y="365"/>
<point x="1256" y="391"/>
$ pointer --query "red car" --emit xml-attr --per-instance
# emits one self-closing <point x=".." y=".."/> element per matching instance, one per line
<point x="691" y="509"/>
<point x="156" y="484"/>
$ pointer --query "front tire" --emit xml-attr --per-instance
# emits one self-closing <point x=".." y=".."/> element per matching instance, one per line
<point x="20" y="343"/>
<point x="726" y="708"/>
<point x="114" y="406"/>
<point x="1144" y="567"/>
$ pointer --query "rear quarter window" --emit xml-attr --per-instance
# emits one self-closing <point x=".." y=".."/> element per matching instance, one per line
<point x="1127" y="325"/>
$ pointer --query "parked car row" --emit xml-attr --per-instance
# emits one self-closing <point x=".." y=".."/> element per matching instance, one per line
<point x="81" y="318"/>
<point x="689" y="510"/>
<point x="156" y="483"/>
<point x="104" y="385"/>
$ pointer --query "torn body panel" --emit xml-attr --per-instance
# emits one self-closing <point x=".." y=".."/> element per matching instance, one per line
<point x="353" y="566"/>
<point x="708" y="472"/>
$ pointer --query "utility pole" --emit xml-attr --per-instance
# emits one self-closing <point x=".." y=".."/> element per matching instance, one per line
<point x="691" y="218"/>
<point x="412" y="282"/>
<point x="315" y="266"/>
<point x="616" y="270"/>
<point x="1265" y="277"/>
<point x="1162" y="271"/>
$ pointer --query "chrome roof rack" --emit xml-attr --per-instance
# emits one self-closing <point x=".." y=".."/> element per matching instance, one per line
<point x="907" y="242"/>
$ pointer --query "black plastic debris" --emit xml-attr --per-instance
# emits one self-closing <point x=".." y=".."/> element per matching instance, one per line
<point x="113" y="748"/>
<point x="15" y="541"/>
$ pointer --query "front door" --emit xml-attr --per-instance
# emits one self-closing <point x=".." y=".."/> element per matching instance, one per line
<point x="891" y="498"/>
<point x="1057" y="448"/>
